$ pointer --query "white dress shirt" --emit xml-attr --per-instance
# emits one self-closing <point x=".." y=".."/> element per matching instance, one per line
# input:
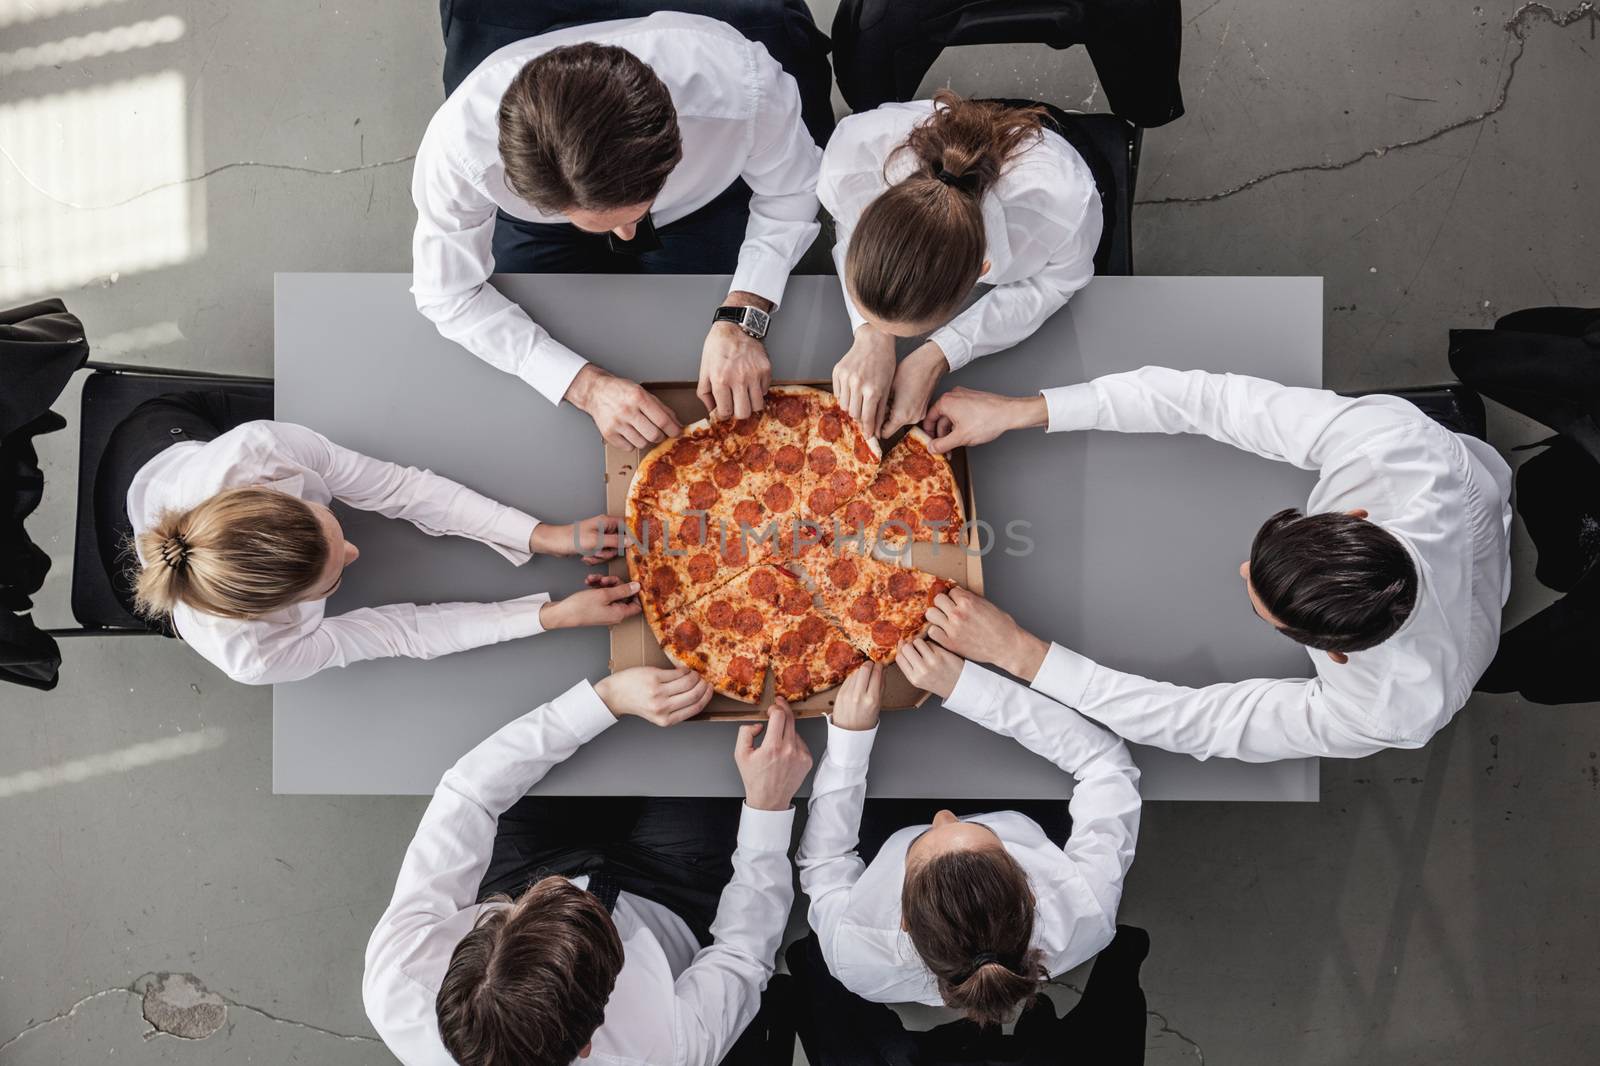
<point x="300" y="640"/>
<point x="1041" y="222"/>
<point x="738" y="116"/>
<point x="1446" y="497"/>
<point x="674" y="1004"/>
<point x="855" y="907"/>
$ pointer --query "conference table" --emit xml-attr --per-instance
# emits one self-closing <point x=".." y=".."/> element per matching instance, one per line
<point x="1137" y="538"/>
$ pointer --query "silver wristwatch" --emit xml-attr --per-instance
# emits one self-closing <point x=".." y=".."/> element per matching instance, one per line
<point x="752" y="320"/>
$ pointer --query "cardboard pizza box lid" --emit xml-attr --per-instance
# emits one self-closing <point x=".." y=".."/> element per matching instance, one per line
<point x="634" y="644"/>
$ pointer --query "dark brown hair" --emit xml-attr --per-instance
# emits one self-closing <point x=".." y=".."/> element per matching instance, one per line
<point x="918" y="249"/>
<point x="528" y="986"/>
<point x="1336" y="582"/>
<point x="970" y="917"/>
<point x="587" y="126"/>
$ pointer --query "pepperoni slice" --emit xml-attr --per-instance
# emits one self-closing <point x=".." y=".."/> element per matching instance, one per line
<point x="857" y="514"/>
<point x="764" y="585"/>
<point x="691" y="532"/>
<point x="746" y="426"/>
<point x="702" y="568"/>
<point x="795" y="680"/>
<point x="918" y="463"/>
<point x="747" y="621"/>
<point x="830" y="426"/>
<point x="748" y="513"/>
<point x="778" y="497"/>
<point x="757" y="457"/>
<point x="702" y="494"/>
<point x="662" y="476"/>
<point x="651" y="534"/>
<point x="686" y="635"/>
<point x="822" y="460"/>
<point x="812" y="629"/>
<point x="842" y="572"/>
<point x="865" y="608"/>
<point x="821" y="500"/>
<point x="902" y="520"/>
<point x="843" y="484"/>
<point x="841" y="656"/>
<point x="885" y="487"/>
<point x="902" y="585"/>
<point x="735" y="552"/>
<point x="789" y="459"/>
<point x="938" y="508"/>
<point x="796" y="601"/>
<point x="864" y="453"/>
<point x="885" y="633"/>
<point x="720" y="614"/>
<point x="664" y="582"/>
<point x="685" y="452"/>
<point x="791" y="644"/>
<point x="727" y="474"/>
<point x="742" y="670"/>
<point x="791" y="410"/>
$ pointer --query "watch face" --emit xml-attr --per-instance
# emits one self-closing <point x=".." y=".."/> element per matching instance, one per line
<point x="756" y="321"/>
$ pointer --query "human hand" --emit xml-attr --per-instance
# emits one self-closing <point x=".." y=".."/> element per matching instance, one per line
<point x="598" y="538"/>
<point x="862" y="378"/>
<point x="607" y="601"/>
<point x="860" y="698"/>
<point x="929" y="666"/>
<point x="658" y="695"/>
<point x="965" y="417"/>
<point x="773" y="772"/>
<point x="976" y="629"/>
<point x="914" y="380"/>
<point x="734" y="372"/>
<point x="626" y="415"/>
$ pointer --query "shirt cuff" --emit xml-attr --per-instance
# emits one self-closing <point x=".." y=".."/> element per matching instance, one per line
<point x="1071" y="407"/>
<point x="975" y="691"/>
<point x="761" y="273"/>
<point x="522" y="616"/>
<point x="581" y="710"/>
<point x="850" y="747"/>
<point x="1064" y="676"/>
<point x="552" y="369"/>
<point x="513" y="529"/>
<point x="957" y="351"/>
<point x="765" y="830"/>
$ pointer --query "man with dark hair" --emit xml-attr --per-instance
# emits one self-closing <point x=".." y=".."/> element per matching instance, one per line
<point x="664" y="144"/>
<point x="534" y="931"/>
<point x="1394" y="577"/>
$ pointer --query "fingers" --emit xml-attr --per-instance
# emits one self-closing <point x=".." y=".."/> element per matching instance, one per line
<point x="947" y="443"/>
<point x="645" y="428"/>
<point x="936" y="615"/>
<point x="683" y="714"/>
<point x="676" y="686"/>
<point x="871" y="409"/>
<point x="705" y="394"/>
<point x="600" y="581"/>
<point x="741" y="401"/>
<point x="781" y="718"/>
<point x="724" y="396"/>
<point x="618" y="590"/>
<point x="691" y="701"/>
<point x="874" y="681"/>
<point x="660" y="415"/>
<point x="630" y="437"/>
<point x="939" y="635"/>
<point x="944" y="603"/>
<point x="745" y="742"/>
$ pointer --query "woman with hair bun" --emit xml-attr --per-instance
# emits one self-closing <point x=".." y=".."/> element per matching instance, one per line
<point x="973" y="913"/>
<point x="929" y="198"/>
<point x="216" y="528"/>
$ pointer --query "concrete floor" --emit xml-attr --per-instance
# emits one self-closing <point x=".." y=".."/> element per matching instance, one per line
<point x="1424" y="158"/>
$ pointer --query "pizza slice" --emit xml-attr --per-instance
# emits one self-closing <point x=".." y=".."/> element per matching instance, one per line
<point x="676" y="476"/>
<point x="841" y="460"/>
<point x="914" y="495"/>
<point x="811" y="655"/>
<point x="726" y="636"/>
<point x="877" y="605"/>
<point x="675" y="559"/>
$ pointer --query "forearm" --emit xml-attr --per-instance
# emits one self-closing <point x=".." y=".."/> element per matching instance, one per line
<point x="1037" y="722"/>
<point x="1000" y="319"/>
<point x="827" y="858"/>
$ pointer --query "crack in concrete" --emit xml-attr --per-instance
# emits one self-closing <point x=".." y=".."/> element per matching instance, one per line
<point x="1166" y="1026"/>
<point x="64" y="1015"/>
<point x="1518" y="26"/>
<point x="238" y="164"/>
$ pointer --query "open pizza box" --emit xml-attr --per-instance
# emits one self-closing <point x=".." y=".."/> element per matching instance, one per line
<point x="633" y="643"/>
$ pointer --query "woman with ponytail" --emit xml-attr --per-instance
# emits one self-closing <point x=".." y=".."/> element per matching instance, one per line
<point x="928" y="199"/>
<point x="975" y="912"/>
<point x="216" y="528"/>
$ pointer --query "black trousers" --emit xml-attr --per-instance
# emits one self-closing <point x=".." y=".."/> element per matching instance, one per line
<point x="146" y="432"/>
<point x="1106" y="1027"/>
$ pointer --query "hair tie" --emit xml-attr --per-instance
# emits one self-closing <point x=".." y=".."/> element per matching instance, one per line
<point x="982" y="959"/>
<point x="175" y="551"/>
<point x="967" y="182"/>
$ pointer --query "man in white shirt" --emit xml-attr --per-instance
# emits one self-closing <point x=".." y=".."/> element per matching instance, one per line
<point x="586" y="961"/>
<point x="667" y="144"/>
<point x="1393" y="579"/>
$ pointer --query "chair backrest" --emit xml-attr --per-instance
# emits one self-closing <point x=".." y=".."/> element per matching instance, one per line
<point x="109" y="395"/>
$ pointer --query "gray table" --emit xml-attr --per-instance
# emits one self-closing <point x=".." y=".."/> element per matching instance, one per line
<point x="1139" y="538"/>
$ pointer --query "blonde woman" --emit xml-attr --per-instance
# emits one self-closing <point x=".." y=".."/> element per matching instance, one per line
<point x="237" y="550"/>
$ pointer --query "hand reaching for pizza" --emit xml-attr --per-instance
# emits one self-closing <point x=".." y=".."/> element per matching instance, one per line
<point x="964" y="417"/>
<point x="976" y="629"/>
<point x="607" y="601"/>
<point x="626" y="415"/>
<point x="930" y="666"/>
<point x="861" y="380"/>
<point x="860" y="699"/>
<point x="658" y="695"/>
<point x="914" y="380"/>
<point x="773" y="772"/>
<point x="596" y="539"/>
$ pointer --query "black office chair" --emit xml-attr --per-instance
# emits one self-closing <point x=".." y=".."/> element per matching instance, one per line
<point x="1454" y="406"/>
<point x="110" y="393"/>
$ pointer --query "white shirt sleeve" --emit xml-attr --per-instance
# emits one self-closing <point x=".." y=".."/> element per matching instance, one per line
<point x="448" y="856"/>
<point x="1105" y="803"/>
<point x="1009" y="314"/>
<point x="718" y="995"/>
<point x="829" y="864"/>
<point x="452" y="257"/>
<point x="434" y="504"/>
<point x="782" y="174"/>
